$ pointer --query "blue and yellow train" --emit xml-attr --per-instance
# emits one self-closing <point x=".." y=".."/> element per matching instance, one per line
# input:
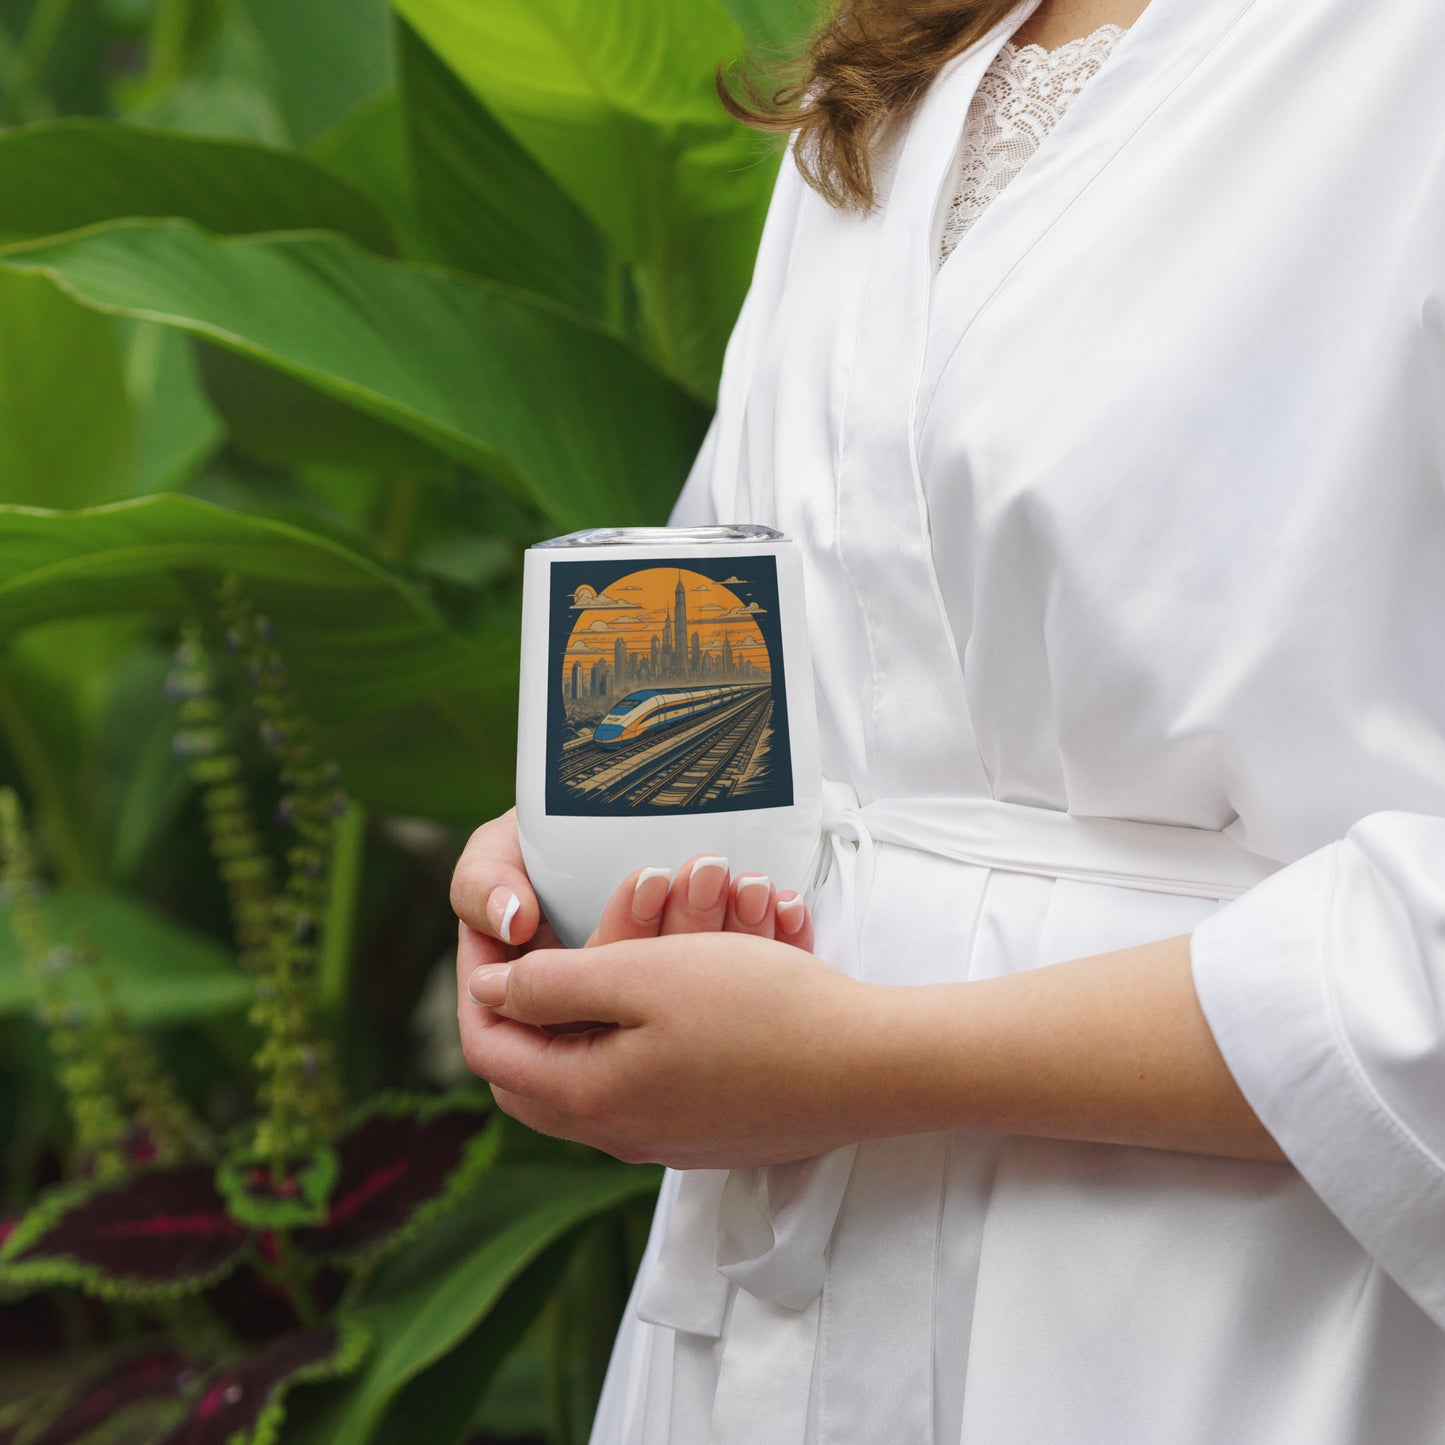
<point x="652" y="709"/>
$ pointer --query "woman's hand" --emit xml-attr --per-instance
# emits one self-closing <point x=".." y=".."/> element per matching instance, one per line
<point x="500" y="918"/>
<point x="708" y="1050"/>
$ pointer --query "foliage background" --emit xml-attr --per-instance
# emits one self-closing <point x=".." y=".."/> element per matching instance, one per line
<point x="352" y="302"/>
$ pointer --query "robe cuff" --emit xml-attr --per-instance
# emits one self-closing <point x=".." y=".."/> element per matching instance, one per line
<point x="1262" y="968"/>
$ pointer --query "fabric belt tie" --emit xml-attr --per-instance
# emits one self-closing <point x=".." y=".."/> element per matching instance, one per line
<point x="766" y="1230"/>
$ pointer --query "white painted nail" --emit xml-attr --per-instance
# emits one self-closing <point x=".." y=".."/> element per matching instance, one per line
<point x="706" y="882"/>
<point x="752" y="900"/>
<point x="647" y="901"/>
<point x="502" y="908"/>
<point x="790" y="914"/>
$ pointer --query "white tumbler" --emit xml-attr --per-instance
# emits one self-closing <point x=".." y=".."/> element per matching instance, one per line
<point x="666" y="709"/>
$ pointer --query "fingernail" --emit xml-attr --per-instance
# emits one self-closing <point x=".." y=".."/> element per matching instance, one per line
<point x="705" y="885"/>
<point x="790" y="913"/>
<point x="649" y="893"/>
<point x="752" y="902"/>
<point x="488" y="984"/>
<point x="502" y="908"/>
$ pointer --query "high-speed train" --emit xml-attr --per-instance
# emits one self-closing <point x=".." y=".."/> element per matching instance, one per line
<point x="652" y="709"/>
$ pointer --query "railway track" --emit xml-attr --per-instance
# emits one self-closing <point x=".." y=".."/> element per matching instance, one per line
<point x="694" y="784"/>
<point x="682" y="771"/>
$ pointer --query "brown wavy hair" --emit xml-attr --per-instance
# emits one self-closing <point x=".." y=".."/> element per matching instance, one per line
<point x="865" y="68"/>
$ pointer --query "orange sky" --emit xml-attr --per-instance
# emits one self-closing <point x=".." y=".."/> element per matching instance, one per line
<point x="634" y="607"/>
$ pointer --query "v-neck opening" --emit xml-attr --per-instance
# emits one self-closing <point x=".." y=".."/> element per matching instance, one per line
<point x="949" y="193"/>
<point x="1058" y="135"/>
<point x="1152" y="59"/>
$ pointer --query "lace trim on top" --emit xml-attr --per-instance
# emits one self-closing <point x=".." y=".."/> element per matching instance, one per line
<point x="1019" y="100"/>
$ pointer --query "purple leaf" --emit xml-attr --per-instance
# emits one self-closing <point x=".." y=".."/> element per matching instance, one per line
<point x="242" y="1405"/>
<point x="159" y="1374"/>
<point x="158" y="1233"/>
<point x="400" y="1162"/>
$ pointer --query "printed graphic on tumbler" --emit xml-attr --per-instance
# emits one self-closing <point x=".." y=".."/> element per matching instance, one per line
<point x="666" y="688"/>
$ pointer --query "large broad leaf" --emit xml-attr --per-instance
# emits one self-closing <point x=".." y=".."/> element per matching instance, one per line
<point x="493" y="210"/>
<point x="325" y="54"/>
<point x="617" y="103"/>
<point x="162" y="973"/>
<point x="66" y="429"/>
<point x="775" y="29"/>
<point x="564" y="413"/>
<point x="369" y="658"/>
<point x="176" y="427"/>
<point x="428" y="1300"/>
<point x="368" y="147"/>
<point x="209" y="74"/>
<point x="77" y="172"/>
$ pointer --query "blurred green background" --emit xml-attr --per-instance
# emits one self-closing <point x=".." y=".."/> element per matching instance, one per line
<point x="347" y="302"/>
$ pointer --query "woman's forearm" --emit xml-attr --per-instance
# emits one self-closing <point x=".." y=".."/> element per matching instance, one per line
<point x="1113" y="1048"/>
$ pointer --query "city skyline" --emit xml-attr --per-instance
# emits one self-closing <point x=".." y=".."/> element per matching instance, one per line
<point x="626" y="636"/>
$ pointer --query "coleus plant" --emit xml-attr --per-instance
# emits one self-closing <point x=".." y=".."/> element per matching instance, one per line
<point x="234" y="1259"/>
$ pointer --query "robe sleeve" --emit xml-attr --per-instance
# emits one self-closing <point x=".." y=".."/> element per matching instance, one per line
<point x="694" y="505"/>
<point x="1324" y="987"/>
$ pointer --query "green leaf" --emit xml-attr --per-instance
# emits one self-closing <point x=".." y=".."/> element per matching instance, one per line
<point x="448" y="1393"/>
<point x="75" y="173"/>
<point x="163" y="973"/>
<point x="515" y="387"/>
<point x="617" y="103"/>
<point x="253" y="1198"/>
<point x="66" y="430"/>
<point x="428" y="1300"/>
<point x="493" y="210"/>
<point x="422" y="720"/>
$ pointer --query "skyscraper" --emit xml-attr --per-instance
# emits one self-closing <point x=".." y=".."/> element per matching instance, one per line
<point x="679" y="630"/>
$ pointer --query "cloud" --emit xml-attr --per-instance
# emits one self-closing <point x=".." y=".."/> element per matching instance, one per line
<point x="703" y="587"/>
<point x="588" y="599"/>
<point x="712" y="607"/>
<point x="586" y="647"/>
<point x="598" y="624"/>
<point x="631" y="587"/>
<point x="750" y="610"/>
<point x="735" y="581"/>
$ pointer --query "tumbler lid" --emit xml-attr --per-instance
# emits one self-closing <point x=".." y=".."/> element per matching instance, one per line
<point x="665" y="536"/>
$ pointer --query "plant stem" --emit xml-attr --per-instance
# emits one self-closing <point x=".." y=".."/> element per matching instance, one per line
<point x="339" y="926"/>
<point x="288" y="1276"/>
<point x="25" y="99"/>
<point x="400" y="522"/>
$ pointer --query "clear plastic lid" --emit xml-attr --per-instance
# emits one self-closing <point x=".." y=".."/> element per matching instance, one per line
<point x="666" y="536"/>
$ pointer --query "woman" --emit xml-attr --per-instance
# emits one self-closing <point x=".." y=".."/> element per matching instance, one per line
<point x="1117" y="1115"/>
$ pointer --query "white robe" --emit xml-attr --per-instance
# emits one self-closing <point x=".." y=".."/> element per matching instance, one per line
<point x="1135" y="510"/>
